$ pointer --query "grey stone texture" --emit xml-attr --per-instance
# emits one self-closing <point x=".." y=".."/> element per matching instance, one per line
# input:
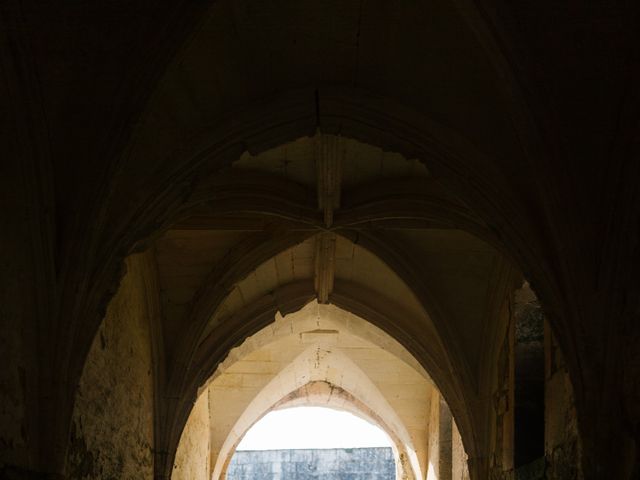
<point x="313" y="464"/>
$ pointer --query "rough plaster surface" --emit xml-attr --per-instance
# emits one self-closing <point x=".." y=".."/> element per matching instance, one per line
<point x="192" y="457"/>
<point x="112" y="430"/>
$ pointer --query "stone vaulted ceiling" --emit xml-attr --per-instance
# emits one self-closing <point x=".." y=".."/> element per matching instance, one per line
<point x="320" y="355"/>
<point x="496" y="130"/>
<point x="342" y="222"/>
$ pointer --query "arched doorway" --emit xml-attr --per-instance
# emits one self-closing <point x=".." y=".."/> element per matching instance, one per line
<point x="320" y="355"/>
<point x="313" y="440"/>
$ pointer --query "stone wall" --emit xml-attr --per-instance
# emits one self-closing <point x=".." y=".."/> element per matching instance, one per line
<point x="433" y="468"/>
<point x="447" y="457"/>
<point x="193" y="455"/>
<point x="562" y="445"/>
<point x="446" y="442"/>
<point x="22" y="305"/>
<point x="112" y="430"/>
<point x="459" y="467"/>
<point x="13" y="438"/>
<point x="324" y="464"/>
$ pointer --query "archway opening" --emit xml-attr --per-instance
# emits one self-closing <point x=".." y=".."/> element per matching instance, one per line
<point x="318" y="356"/>
<point x="321" y="218"/>
<point x="312" y="440"/>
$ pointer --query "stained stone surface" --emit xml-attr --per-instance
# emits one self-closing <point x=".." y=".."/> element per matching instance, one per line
<point x="112" y="430"/>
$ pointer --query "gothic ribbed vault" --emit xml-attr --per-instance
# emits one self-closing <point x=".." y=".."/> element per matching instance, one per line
<point x="176" y="175"/>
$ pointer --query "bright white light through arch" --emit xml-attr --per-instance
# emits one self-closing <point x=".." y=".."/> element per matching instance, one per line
<point x="312" y="428"/>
